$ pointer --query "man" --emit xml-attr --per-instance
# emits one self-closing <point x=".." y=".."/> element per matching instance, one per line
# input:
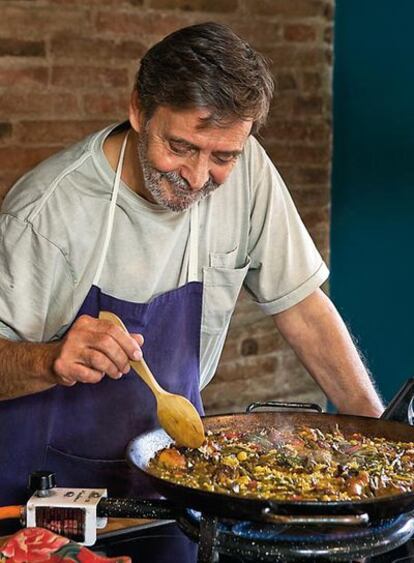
<point x="161" y="220"/>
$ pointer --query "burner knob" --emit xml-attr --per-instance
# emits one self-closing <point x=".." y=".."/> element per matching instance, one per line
<point x="41" y="482"/>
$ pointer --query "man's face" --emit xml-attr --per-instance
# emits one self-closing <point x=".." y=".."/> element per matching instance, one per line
<point x="182" y="163"/>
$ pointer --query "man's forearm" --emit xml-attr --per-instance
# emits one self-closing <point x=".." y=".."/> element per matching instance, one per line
<point x="320" y="338"/>
<point x="91" y="350"/>
<point x="25" y="368"/>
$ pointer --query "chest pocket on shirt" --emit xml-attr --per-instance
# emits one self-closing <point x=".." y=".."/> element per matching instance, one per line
<point x="222" y="282"/>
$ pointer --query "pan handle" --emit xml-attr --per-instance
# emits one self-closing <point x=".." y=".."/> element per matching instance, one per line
<point x="159" y="509"/>
<point x="282" y="405"/>
<point x="334" y="519"/>
<point x="401" y="406"/>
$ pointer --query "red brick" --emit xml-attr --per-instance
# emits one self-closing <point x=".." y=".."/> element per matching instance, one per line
<point x="12" y="76"/>
<point x="286" y="8"/>
<point x="260" y="328"/>
<point x="6" y="130"/>
<point x="132" y="51"/>
<point x="316" y="197"/>
<point x="300" y="33"/>
<point x="328" y="11"/>
<point x="311" y="81"/>
<point x="262" y="331"/>
<point x="83" y="48"/>
<point x="139" y="24"/>
<point x="16" y="158"/>
<point x="291" y="56"/>
<point x="286" y="81"/>
<point x="89" y="77"/>
<point x="247" y="368"/>
<point x="311" y="105"/>
<point x="23" y="103"/>
<point x="237" y="394"/>
<point x="246" y="313"/>
<point x="21" y="48"/>
<point x="106" y="104"/>
<point x="294" y="131"/>
<point x="7" y="179"/>
<point x="56" y="132"/>
<point x="266" y="33"/>
<point x="313" y="217"/>
<point x="328" y="34"/>
<point x="309" y="176"/>
<point x="195" y="5"/>
<point x="38" y="22"/>
<point x="315" y="175"/>
<point x="100" y="3"/>
<point x="231" y="350"/>
<point x="320" y="236"/>
<point x="282" y="105"/>
<point x="299" y="155"/>
<point x="249" y="347"/>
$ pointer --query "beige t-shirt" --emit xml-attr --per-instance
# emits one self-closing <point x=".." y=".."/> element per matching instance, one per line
<point x="52" y="227"/>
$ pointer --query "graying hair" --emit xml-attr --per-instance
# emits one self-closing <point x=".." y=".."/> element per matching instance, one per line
<point x="206" y="66"/>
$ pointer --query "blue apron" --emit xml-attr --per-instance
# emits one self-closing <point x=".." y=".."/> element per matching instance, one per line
<point x="81" y="432"/>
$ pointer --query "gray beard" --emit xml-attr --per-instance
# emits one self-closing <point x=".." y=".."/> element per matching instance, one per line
<point x="180" y="196"/>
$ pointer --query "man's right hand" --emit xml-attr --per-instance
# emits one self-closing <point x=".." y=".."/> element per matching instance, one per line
<point x="92" y="348"/>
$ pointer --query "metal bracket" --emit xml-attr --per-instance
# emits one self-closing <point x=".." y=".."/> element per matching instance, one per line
<point x="284" y="405"/>
<point x="334" y="519"/>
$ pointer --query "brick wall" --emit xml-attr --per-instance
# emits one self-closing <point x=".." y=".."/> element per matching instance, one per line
<point x="66" y="69"/>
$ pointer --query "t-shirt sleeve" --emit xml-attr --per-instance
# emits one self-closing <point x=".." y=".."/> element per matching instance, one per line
<point x="285" y="265"/>
<point x="36" y="287"/>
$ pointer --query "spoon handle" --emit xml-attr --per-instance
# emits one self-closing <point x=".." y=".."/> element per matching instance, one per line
<point x="140" y="366"/>
<point x="146" y="375"/>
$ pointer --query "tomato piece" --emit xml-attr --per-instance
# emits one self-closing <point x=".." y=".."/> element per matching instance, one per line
<point x="172" y="458"/>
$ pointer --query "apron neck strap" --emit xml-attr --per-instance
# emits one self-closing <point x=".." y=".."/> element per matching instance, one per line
<point x="193" y="259"/>
<point x="111" y="213"/>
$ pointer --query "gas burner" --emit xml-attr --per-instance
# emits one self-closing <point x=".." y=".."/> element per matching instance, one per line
<point x="297" y="538"/>
<point x="280" y="543"/>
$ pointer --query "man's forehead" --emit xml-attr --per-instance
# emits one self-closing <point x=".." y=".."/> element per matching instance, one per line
<point x="192" y="125"/>
<point x="194" y="114"/>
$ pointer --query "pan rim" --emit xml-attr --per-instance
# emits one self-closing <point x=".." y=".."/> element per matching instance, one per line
<point x="258" y="503"/>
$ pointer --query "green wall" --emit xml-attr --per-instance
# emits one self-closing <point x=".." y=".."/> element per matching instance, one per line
<point x="372" y="241"/>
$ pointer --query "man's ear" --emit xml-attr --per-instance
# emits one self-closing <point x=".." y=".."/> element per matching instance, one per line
<point x="135" y="112"/>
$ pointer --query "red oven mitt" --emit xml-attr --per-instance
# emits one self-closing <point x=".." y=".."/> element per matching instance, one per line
<point x="41" y="546"/>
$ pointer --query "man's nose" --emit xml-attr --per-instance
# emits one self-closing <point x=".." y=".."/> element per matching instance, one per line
<point x="196" y="173"/>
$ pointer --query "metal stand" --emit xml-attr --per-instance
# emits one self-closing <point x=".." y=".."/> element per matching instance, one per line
<point x="208" y="537"/>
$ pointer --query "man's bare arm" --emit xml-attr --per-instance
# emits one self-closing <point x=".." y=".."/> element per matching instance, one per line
<point x="25" y="368"/>
<point x="320" y="338"/>
<point x="90" y="349"/>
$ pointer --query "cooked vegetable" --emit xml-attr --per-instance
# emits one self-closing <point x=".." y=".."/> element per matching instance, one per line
<point x="300" y="464"/>
<point x="172" y="458"/>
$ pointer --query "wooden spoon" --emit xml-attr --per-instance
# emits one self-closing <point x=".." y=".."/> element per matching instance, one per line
<point x="176" y="414"/>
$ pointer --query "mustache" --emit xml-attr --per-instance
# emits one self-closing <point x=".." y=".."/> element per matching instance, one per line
<point x="181" y="183"/>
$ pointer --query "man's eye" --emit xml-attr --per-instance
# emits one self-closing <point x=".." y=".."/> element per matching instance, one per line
<point x="178" y="149"/>
<point x="225" y="159"/>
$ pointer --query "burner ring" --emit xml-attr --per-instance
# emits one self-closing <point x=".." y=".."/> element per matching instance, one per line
<point x="288" y="543"/>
